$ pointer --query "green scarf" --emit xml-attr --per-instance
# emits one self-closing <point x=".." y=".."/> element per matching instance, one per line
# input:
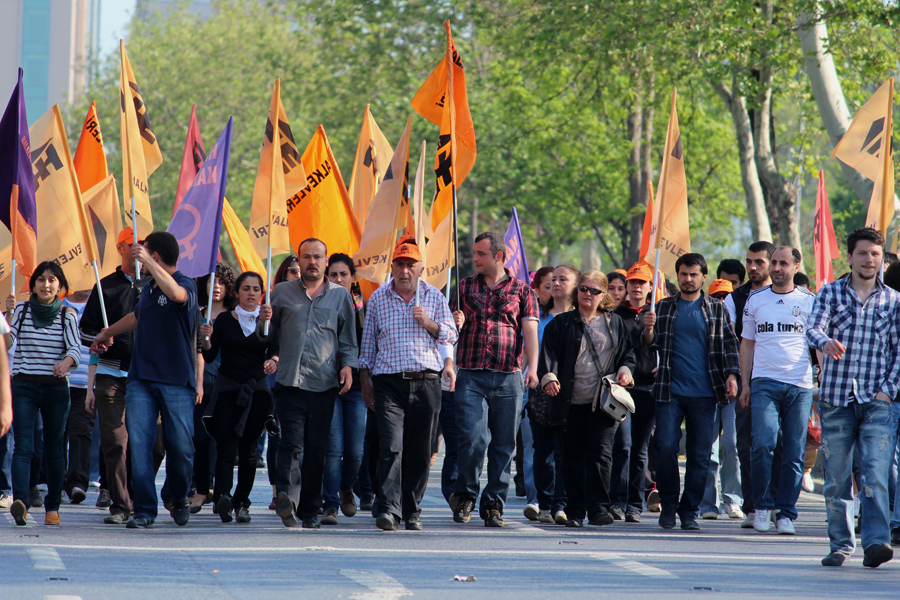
<point x="43" y="315"/>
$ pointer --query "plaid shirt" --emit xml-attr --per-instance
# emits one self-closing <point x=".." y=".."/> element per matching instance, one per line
<point x="722" y="356"/>
<point x="491" y="336"/>
<point x="870" y="332"/>
<point x="393" y="342"/>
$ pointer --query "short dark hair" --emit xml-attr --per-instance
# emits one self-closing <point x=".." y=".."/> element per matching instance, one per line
<point x="497" y="242"/>
<point x="762" y="246"/>
<point x="540" y="274"/>
<point x="340" y="257"/>
<point x="864" y="234"/>
<point x="164" y="244"/>
<point x="801" y="279"/>
<point x="889" y="258"/>
<point x="311" y="239"/>
<point x="281" y="272"/>
<point x="614" y="275"/>
<point x="53" y="267"/>
<point x="795" y="253"/>
<point x="692" y="259"/>
<point x="246" y="275"/>
<point x="732" y="266"/>
<point x="892" y="276"/>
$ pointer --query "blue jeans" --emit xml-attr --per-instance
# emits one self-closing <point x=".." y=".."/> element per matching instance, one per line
<point x="724" y="479"/>
<point x="528" y="458"/>
<point x="895" y="493"/>
<point x="447" y="420"/>
<point x="867" y="429"/>
<point x="345" y="441"/>
<point x="6" y="458"/>
<point x="774" y="404"/>
<point x="699" y="415"/>
<point x="145" y="401"/>
<point x="52" y="403"/>
<point x="547" y="465"/>
<point x="488" y="407"/>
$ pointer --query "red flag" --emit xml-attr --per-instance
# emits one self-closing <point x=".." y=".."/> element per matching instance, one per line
<point x="191" y="159"/>
<point x="824" y="242"/>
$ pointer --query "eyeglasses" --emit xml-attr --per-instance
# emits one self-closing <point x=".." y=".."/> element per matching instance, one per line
<point x="589" y="290"/>
<point x="293" y="270"/>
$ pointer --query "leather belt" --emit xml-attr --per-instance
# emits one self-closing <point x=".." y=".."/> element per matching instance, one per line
<point x="417" y="375"/>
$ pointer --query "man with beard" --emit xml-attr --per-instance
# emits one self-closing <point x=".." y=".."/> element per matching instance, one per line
<point x="774" y="351"/>
<point x="314" y="323"/>
<point x="855" y="323"/>
<point x="684" y="328"/>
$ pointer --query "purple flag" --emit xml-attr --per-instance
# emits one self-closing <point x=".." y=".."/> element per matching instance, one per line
<point x="198" y="221"/>
<point x="17" y="205"/>
<point x="515" y="250"/>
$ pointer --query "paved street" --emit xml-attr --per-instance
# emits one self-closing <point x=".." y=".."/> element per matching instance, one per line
<point x="210" y="560"/>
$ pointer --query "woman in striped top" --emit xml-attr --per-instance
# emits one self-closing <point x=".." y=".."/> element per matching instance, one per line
<point x="47" y="348"/>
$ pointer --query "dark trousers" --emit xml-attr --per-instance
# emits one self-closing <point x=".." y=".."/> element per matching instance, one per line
<point x="630" y="454"/>
<point x="305" y="425"/>
<point x="272" y="452"/>
<point x="367" y="477"/>
<point x="205" y="453"/>
<point x="228" y="444"/>
<point x="407" y="413"/>
<point x="447" y="420"/>
<point x="744" y="426"/>
<point x="80" y="429"/>
<point x="587" y="442"/>
<point x="547" y="467"/>
<point x="109" y="402"/>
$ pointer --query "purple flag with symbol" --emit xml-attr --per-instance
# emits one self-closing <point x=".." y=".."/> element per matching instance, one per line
<point x="515" y="250"/>
<point x="198" y="221"/>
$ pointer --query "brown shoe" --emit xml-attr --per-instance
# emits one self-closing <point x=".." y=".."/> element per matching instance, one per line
<point x="330" y="517"/>
<point x="348" y="502"/>
<point x="19" y="512"/>
<point x="51" y="518"/>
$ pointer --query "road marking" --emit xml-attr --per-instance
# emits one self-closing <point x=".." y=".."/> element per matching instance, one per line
<point x="61" y="597"/>
<point x="636" y="567"/>
<point x="381" y="586"/>
<point x="44" y="558"/>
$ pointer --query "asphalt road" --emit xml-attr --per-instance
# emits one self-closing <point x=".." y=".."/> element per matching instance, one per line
<point x="209" y="560"/>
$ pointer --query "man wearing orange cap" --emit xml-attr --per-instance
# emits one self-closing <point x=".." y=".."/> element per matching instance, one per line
<point x="720" y="288"/>
<point x="400" y="365"/>
<point x="120" y="294"/>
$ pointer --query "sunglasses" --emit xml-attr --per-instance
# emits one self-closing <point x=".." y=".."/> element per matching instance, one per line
<point x="589" y="290"/>
<point x="293" y="270"/>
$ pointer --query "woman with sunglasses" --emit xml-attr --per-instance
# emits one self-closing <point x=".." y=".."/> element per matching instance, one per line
<point x="579" y="348"/>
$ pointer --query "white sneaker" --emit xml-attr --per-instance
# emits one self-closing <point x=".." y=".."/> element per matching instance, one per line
<point x="710" y="515"/>
<point x="560" y="518"/>
<point x="761" y="521"/>
<point x="748" y="520"/>
<point x="734" y="511"/>
<point x="806" y="484"/>
<point x="531" y="512"/>
<point x="785" y="526"/>
<point x="544" y="516"/>
<point x="5" y="500"/>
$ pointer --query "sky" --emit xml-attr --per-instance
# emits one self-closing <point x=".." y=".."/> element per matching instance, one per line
<point x="114" y="15"/>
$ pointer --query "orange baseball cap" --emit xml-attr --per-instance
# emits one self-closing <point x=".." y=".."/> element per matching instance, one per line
<point x="126" y="235"/>
<point x="720" y="285"/>
<point x="641" y="270"/>
<point x="407" y="248"/>
<point x="622" y="271"/>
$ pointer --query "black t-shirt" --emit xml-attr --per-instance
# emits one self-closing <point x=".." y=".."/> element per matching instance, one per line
<point x="242" y="355"/>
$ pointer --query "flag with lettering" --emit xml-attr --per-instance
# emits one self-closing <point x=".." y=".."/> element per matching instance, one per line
<point x="881" y="204"/>
<point x="246" y="256"/>
<point x="373" y="154"/>
<point x="90" y="159"/>
<point x="279" y="176"/>
<point x="18" y="211"/>
<point x="104" y="217"/>
<point x="670" y="230"/>
<point x="141" y="155"/>
<point x="380" y="233"/>
<point x="191" y="159"/>
<point x="825" y="243"/>
<point x="516" y="261"/>
<point x="322" y="208"/>
<point x="198" y="221"/>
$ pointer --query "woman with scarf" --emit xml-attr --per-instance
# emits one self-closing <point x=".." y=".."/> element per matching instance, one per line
<point x="241" y="403"/>
<point x="48" y="346"/>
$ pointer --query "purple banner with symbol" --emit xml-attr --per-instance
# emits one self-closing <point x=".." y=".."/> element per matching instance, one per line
<point x="515" y="250"/>
<point x="198" y="221"/>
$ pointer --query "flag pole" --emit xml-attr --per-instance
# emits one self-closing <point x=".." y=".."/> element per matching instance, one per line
<point x="659" y="207"/>
<point x="455" y="246"/>
<point x="269" y="286"/>
<point x="134" y="227"/>
<point x="12" y="283"/>
<point x="212" y="286"/>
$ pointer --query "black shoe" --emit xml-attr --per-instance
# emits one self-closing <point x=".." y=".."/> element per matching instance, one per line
<point x="181" y="514"/>
<point x="858" y="527"/>
<point x="689" y="523"/>
<point x="386" y="521"/>
<point x="632" y="517"/>
<point x="877" y="554"/>
<point x="243" y="515"/>
<point x="225" y="507"/>
<point x="284" y="508"/>
<point x="895" y="536"/>
<point x="103" y="500"/>
<point x="521" y="492"/>
<point x="617" y="513"/>
<point x="493" y="518"/>
<point x="414" y="524"/>
<point x="34" y="498"/>
<point x="116" y="519"/>
<point x="311" y="522"/>
<point x="77" y="495"/>
<point x="602" y="518"/>
<point x="463" y="511"/>
<point x="835" y="559"/>
<point x="575" y="523"/>
<point x="667" y="517"/>
<point x="453" y="501"/>
<point x="366" y="502"/>
<point x="139" y="523"/>
<point x="260" y="463"/>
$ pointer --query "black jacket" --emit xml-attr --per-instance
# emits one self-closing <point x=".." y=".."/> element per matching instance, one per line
<point x="559" y="352"/>
<point x="119" y="296"/>
<point x="739" y="297"/>
<point x="646" y="358"/>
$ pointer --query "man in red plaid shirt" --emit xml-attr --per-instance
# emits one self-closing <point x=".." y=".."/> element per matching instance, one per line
<point x="496" y="315"/>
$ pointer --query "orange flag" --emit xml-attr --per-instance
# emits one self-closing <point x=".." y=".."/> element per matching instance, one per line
<point x="824" y="242"/>
<point x="247" y="257"/>
<point x="442" y="99"/>
<point x="648" y="222"/>
<point x="373" y="153"/>
<point x="90" y="160"/>
<point x="191" y="159"/>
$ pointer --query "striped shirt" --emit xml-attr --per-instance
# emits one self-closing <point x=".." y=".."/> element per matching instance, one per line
<point x="38" y="350"/>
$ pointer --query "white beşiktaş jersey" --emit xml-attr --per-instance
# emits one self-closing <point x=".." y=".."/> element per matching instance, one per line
<point x="777" y="323"/>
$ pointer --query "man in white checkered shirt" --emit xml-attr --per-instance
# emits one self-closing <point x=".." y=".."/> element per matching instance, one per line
<point x="400" y="364"/>
<point x="855" y="323"/>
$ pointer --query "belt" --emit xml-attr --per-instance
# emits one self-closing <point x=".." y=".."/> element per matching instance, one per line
<point x="417" y="375"/>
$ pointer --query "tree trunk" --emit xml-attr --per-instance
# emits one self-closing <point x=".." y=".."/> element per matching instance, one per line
<point x="590" y="255"/>
<point x="756" y="206"/>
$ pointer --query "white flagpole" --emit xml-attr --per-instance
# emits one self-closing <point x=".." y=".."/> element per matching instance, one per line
<point x="212" y="285"/>
<point x="100" y="294"/>
<point x="655" y="277"/>
<point x="269" y="286"/>
<point x="12" y="289"/>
